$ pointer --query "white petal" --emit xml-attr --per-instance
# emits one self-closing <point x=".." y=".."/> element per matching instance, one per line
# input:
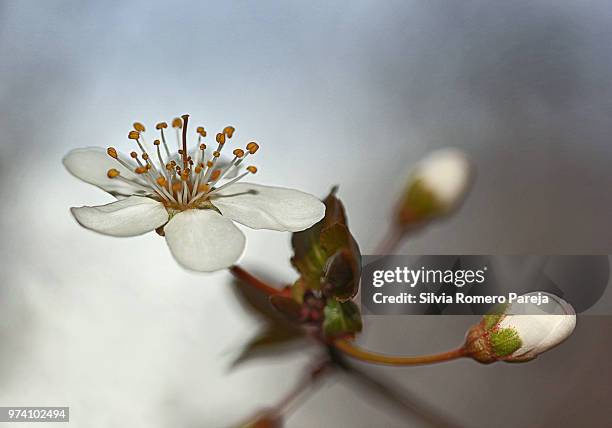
<point x="266" y="207"/>
<point x="91" y="164"/>
<point x="127" y="217"/>
<point x="540" y="327"/>
<point x="203" y="240"/>
<point x="446" y="173"/>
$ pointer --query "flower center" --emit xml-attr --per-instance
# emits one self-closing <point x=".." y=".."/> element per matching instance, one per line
<point x="179" y="180"/>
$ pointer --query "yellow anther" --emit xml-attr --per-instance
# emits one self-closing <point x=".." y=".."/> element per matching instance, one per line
<point x="112" y="152"/>
<point x="161" y="181"/>
<point x="203" y="188"/>
<point x="252" y="169"/>
<point x="177" y="122"/>
<point x="140" y="170"/>
<point x="216" y="154"/>
<point x="238" y="153"/>
<point x="220" y="138"/>
<point x="229" y="131"/>
<point x="134" y="155"/>
<point x="252" y="147"/>
<point x="133" y="135"/>
<point x="112" y="173"/>
<point x="139" y="127"/>
<point x="169" y="167"/>
<point x="202" y="147"/>
<point x="185" y="175"/>
<point x="216" y="173"/>
<point x="156" y="143"/>
<point x="148" y="166"/>
<point x="200" y="130"/>
<point x="198" y="169"/>
<point x="177" y="186"/>
<point x="209" y="164"/>
<point x="145" y="156"/>
<point x="173" y="163"/>
<point x="161" y="125"/>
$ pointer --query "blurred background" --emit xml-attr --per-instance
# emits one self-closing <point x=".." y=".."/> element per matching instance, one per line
<point x="349" y="93"/>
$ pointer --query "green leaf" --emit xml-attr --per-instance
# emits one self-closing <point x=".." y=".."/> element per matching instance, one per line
<point x="342" y="275"/>
<point x="341" y="318"/>
<point x="334" y="237"/>
<point x="342" y="270"/>
<point x="306" y="244"/>
<point x="314" y="247"/>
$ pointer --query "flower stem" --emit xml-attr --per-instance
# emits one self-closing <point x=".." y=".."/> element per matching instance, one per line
<point x="251" y="280"/>
<point x="347" y="347"/>
<point x="361" y="354"/>
<point x="306" y="382"/>
<point x="391" y="241"/>
<point x="293" y="398"/>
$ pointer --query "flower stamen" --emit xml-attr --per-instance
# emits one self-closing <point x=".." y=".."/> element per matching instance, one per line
<point x="161" y="126"/>
<point x="250" y="170"/>
<point x="179" y="180"/>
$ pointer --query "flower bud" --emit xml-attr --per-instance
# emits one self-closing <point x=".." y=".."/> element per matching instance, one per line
<point x="437" y="185"/>
<point x="522" y="330"/>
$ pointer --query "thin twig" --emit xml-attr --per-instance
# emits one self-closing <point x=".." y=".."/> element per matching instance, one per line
<point x="393" y="394"/>
<point x="389" y="244"/>
<point x="350" y="349"/>
<point x="253" y="281"/>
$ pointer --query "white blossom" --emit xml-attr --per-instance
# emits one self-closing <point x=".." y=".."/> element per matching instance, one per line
<point x="192" y="198"/>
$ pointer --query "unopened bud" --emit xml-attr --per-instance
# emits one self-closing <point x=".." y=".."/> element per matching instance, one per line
<point x="436" y="187"/>
<point x="522" y="330"/>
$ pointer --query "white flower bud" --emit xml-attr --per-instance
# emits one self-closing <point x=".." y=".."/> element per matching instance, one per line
<point x="437" y="185"/>
<point x="523" y="330"/>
